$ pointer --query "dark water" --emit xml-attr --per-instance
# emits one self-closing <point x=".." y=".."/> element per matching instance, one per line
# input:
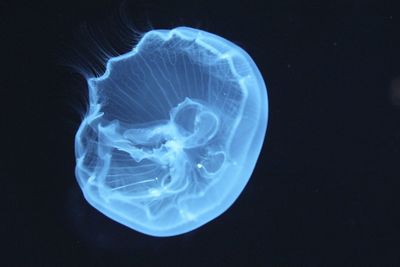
<point x="325" y="189"/>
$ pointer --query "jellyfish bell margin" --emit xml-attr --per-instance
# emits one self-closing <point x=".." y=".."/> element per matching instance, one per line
<point x="173" y="131"/>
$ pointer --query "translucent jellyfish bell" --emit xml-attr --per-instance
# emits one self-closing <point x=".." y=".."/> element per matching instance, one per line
<point x="173" y="131"/>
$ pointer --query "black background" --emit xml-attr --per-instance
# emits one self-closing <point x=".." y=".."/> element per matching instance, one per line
<point x="325" y="188"/>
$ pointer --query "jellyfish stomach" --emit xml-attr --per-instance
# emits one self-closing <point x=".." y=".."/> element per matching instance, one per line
<point x="177" y="148"/>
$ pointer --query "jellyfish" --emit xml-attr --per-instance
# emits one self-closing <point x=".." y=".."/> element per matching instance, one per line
<point x="172" y="131"/>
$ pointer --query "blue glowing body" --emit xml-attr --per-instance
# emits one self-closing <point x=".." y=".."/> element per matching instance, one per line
<point x="173" y="131"/>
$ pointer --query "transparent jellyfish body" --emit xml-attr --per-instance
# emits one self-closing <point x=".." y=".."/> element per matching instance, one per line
<point x="172" y="132"/>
